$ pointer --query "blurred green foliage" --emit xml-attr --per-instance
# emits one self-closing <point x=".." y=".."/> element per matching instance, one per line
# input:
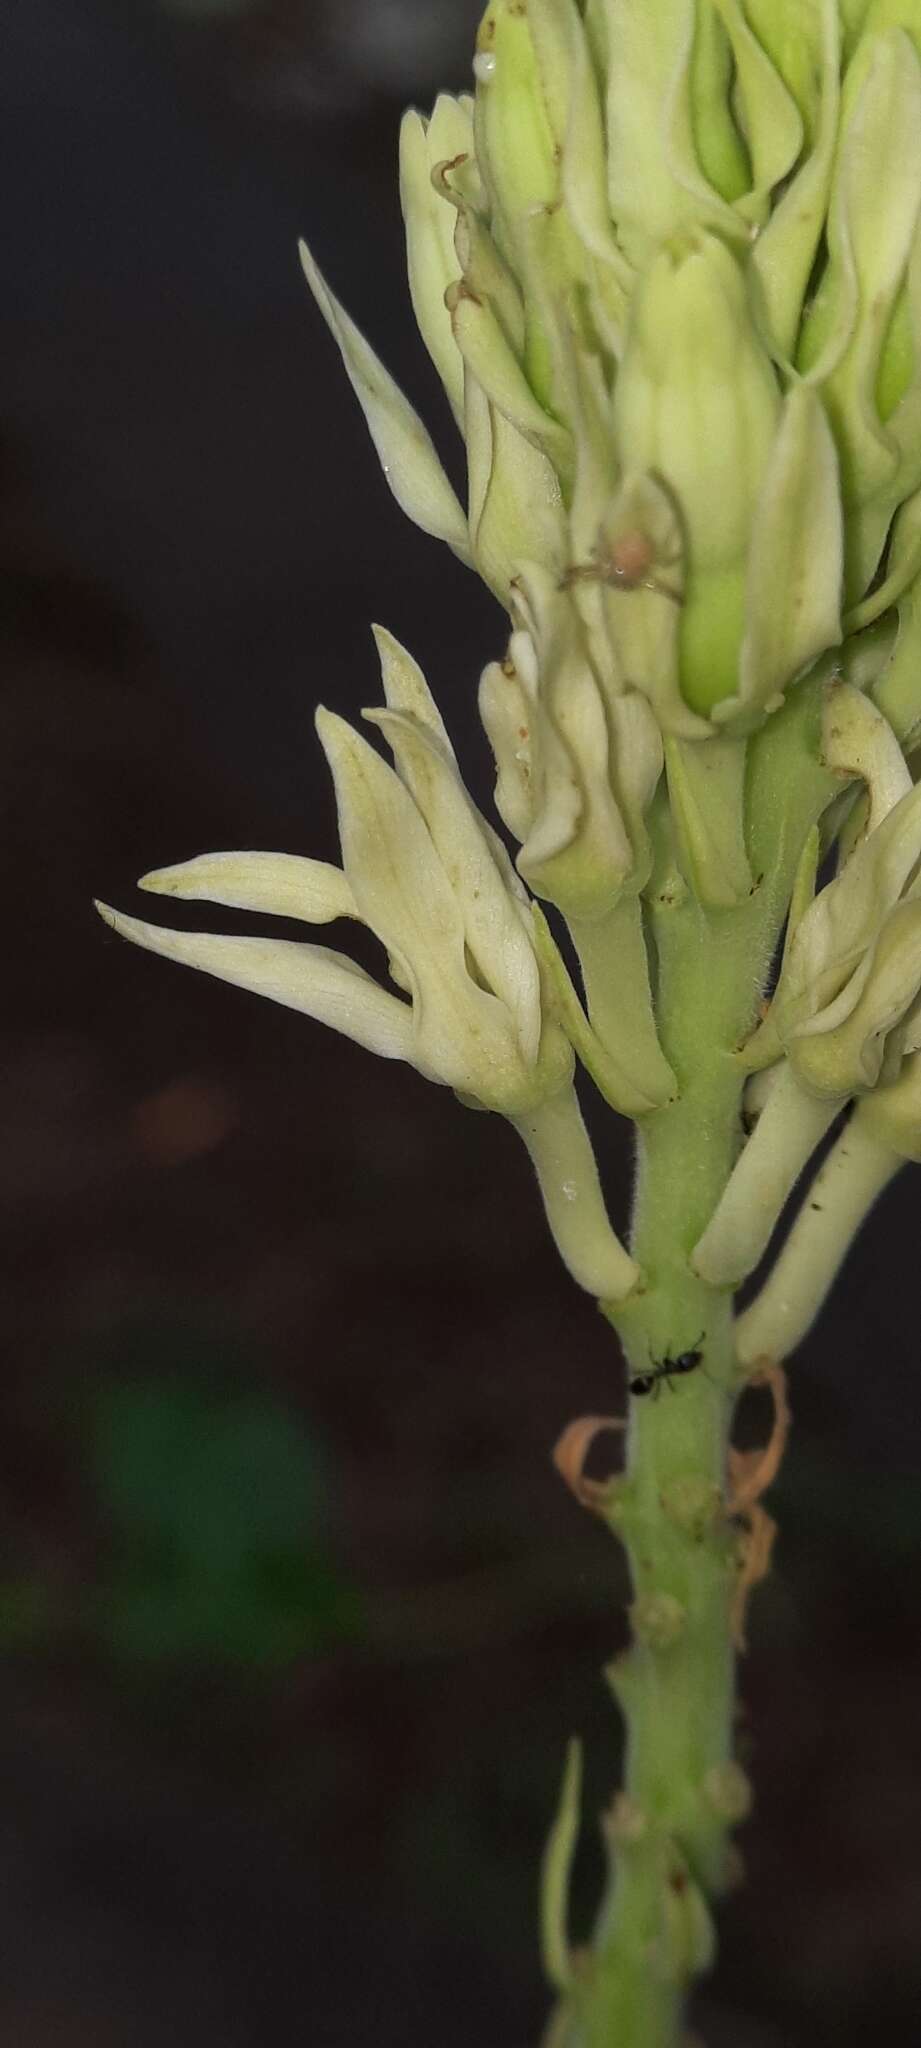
<point x="205" y="1525"/>
<point x="217" y="1509"/>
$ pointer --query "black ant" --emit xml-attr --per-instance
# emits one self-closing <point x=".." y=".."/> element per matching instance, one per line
<point x="664" y="1370"/>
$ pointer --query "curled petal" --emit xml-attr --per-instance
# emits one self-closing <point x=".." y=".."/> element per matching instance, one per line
<point x="320" y="983"/>
<point x="858" y="740"/>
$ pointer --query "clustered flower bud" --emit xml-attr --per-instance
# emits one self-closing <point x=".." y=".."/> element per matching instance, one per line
<point x="680" y="331"/>
<point x="666" y="260"/>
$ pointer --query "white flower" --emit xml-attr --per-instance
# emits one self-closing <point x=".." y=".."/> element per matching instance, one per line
<point x="431" y="880"/>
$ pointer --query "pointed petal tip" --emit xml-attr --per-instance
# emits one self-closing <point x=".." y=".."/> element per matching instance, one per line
<point x="338" y="738"/>
<point x="314" y="275"/>
<point x="158" y="883"/>
<point x="330" y="725"/>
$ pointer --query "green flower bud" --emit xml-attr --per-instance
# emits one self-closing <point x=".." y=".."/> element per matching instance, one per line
<point x="523" y="64"/>
<point x="857" y="342"/>
<point x="695" y="383"/>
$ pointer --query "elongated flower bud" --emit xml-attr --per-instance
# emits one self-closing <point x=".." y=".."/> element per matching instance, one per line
<point x="695" y="381"/>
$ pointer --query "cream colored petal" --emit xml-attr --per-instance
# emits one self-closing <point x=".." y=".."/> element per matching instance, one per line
<point x="829" y="958"/>
<point x="464" y="1035"/>
<point x="839" y="1200"/>
<point x="788" y="1130"/>
<point x="848" y="1058"/>
<point x="430" y="220"/>
<point x="399" y="882"/>
<point x="515" y="503"/>
<point x="506" y="711"/>
<point x="405" y="687"/>
<point x="320" y="983"/>
<point x="577" y="853"/>
<point x="282" y="884"/>
<point x="562" y="1155"/>
<point x="405" y="448"/>
<point x="495" y="935"/>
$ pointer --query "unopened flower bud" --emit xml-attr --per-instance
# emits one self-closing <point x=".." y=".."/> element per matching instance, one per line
<point x="697" y="402"/>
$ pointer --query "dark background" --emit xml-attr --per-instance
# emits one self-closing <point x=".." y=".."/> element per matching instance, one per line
<point x="295" y="1617"/>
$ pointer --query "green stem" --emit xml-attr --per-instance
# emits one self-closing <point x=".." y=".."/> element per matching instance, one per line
<point x="675" y="1686"/>
<point x="669" y="1828"/>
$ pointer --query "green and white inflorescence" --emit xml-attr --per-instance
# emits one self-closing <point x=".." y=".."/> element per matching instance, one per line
<point x="666" y="260"/>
